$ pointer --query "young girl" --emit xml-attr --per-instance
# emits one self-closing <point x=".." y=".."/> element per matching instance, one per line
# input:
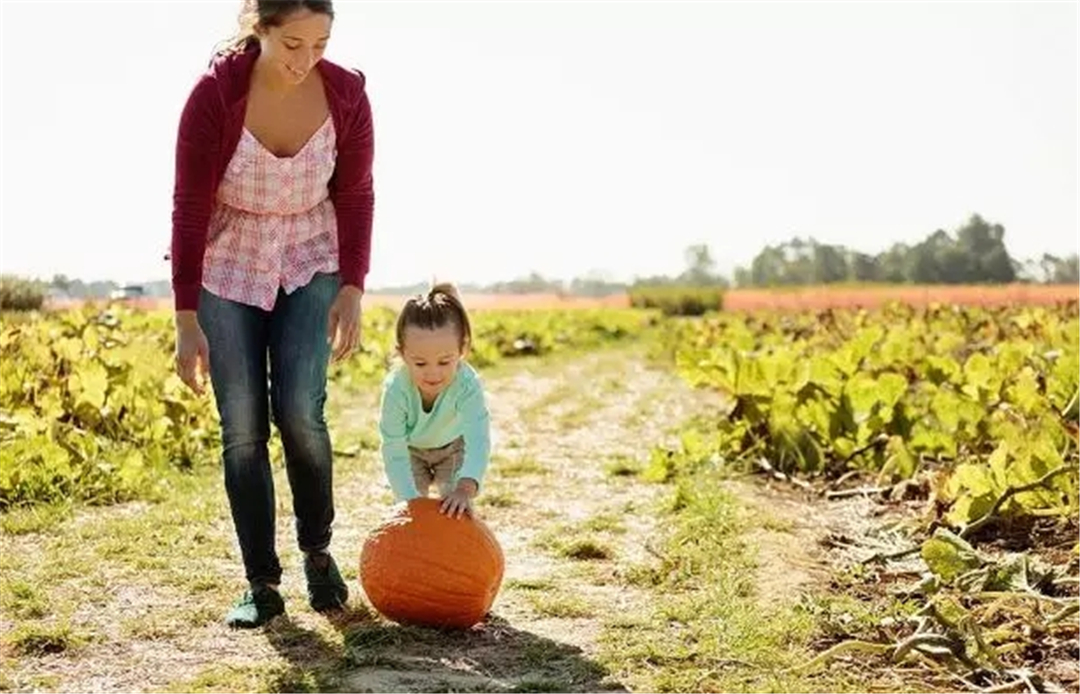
<point x="434" y="424"/>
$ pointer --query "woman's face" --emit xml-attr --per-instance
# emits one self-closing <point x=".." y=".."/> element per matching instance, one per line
<point x="297" y="44"/>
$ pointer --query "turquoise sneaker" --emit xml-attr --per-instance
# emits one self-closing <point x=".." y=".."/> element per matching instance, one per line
<point x="259" y="605"/>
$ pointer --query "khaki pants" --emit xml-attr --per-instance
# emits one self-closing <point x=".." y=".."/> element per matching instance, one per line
<point x="437" y="465"/>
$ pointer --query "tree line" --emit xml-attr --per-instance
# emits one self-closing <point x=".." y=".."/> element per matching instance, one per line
<point x="975" y="254"/>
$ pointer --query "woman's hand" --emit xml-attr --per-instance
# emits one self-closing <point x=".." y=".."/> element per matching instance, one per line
<point x="192" y="351"/>
<point x="459" y="501"/>
<point x="343" y="326"/>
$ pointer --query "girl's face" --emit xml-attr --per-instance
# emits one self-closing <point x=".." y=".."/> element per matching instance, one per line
<point x="432" y="357"/>
<point x="294" y="47"/>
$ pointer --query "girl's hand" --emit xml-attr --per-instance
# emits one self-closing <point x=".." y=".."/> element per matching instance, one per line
<point x="459" y="501"/>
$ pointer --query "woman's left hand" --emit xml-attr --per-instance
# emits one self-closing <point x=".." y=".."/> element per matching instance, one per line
<point x="343" y="326"/>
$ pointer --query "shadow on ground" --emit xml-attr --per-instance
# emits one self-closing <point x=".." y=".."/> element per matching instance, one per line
<point x="380" y="657"/>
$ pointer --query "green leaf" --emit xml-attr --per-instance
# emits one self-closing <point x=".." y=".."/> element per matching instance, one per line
<point x="862" y="391"/>
<point x="941" y="369"/>
<point x="998" y="463"/>
<point x="982" y="380"/>
<point x="92" y="384"/>
<point x="825" y="373"/>
<point x="1012" y="356"/>
<point x="969" y="507"/>
<point x="68" y="348"/>
<point x="815" y="414"/>
<point x="843" y="446"/>
<point x="1027" y="466"/>
<point x="948" y="556"/>
<point x="931" y="441"/>
<point x="946" y="408"/>
<point x="950" y="609"/>
<point x="1024" y="393"/>
<point x="898" y="459"/>
<point x="1018" y="573"/>
<point x="1063" y="379"/>
<point x="891" y="387"/>
<point x="864" y="342"/>
<point x="976" y="479"/>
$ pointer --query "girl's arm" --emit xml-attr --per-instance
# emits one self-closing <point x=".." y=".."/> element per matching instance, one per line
<point x="394" y="445"/>
<point x="476" y="432"/>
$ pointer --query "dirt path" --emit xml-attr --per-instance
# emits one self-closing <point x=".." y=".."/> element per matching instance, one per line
<point x="568" y="523"/>
<point x="131" y="597"/>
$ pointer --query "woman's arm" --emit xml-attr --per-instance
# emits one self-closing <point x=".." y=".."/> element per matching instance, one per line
<point x="197" y="149"/>
<point x="352" y="191"/>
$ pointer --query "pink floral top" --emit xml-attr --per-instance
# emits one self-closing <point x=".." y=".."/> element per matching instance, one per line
<point x="273" y="224"/>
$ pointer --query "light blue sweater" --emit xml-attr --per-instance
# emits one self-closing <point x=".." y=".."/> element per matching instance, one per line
<point x="460" y="410"/>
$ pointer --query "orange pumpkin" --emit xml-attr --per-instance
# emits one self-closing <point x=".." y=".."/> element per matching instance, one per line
<point x="421" y="567"/>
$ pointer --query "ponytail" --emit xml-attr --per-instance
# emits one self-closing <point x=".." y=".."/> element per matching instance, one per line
<point x="441" y="306"/>
<point x="247" y="20"/>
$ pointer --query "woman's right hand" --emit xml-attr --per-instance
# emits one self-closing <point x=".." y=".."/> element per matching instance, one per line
<point x="192" y="351"/>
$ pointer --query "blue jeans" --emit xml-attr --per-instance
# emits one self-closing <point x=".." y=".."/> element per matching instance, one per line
<point x="293" y="334"/>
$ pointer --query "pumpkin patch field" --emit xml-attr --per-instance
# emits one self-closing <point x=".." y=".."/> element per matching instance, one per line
<point x="818" y="499"/>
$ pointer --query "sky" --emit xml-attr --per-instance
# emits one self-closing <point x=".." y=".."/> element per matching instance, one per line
<point x="570" y="138"/>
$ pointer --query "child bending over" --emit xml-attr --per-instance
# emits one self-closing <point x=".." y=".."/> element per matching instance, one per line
<point x="434" y="423"/>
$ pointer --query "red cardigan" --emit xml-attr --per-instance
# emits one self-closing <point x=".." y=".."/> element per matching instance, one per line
<point x="210" y="127"/>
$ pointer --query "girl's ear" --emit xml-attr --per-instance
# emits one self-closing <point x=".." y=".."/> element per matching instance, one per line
<point x="465" y="349"/>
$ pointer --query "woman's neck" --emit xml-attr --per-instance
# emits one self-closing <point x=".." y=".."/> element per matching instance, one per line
<point x="271" y="80"/>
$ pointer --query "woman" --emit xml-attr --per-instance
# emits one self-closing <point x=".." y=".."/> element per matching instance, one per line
<point x="271" y="233"/>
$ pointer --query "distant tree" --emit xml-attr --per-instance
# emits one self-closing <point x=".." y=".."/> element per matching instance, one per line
<point x="595" y="284"/>
<point x="1064" y="270"/>
<point x="983" y="245"/>
<point x="767" y="269"/>
<point x="700" y="266"/>
<point x="830" y="263"/>
<point x="891" y="265"/>
<point x="861" y="267"/>
<point x="61" y="283"/>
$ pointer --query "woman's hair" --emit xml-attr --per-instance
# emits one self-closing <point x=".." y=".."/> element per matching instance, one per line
<point x="260" y="14"/>
<point x="440" y="307"/>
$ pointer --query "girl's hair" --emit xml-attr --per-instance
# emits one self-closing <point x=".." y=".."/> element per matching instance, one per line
<point x="259" y="14"/>
<point x="440" y="307"/>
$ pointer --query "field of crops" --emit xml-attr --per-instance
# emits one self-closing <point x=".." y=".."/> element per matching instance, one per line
<point x="90" y="406"/>
<point x="972" y="412"/>
<point x="959" y="420"/>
